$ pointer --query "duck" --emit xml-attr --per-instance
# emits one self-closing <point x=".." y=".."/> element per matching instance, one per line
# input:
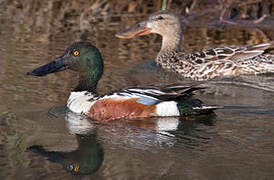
<point x="128" y="103"/>
<point x="85" y="160"/>
<point x="201" y="65"/>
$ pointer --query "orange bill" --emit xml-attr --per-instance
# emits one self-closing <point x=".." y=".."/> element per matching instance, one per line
<point x="133" y="31"/>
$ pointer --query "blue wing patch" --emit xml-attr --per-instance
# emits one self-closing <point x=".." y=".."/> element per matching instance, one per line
<point x="147" y="100"/>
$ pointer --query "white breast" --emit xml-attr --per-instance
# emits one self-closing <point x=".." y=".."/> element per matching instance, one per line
<point x="80" y="102"/>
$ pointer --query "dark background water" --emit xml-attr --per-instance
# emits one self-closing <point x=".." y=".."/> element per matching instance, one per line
<point x="236" y="144"/>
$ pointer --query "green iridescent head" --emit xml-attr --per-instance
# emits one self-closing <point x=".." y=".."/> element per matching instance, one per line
<point x="80" y="56"/>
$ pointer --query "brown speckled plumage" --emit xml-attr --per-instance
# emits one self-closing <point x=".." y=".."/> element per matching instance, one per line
<point x="226" y="61"/>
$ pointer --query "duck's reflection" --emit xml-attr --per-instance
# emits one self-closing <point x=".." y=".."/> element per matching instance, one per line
<point x="149" y="134"/>
<point x="87" y="159"/>
<point x="146" y="133"/>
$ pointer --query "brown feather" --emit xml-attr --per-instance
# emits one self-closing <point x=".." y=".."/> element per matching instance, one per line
<point x="110" y="109"/>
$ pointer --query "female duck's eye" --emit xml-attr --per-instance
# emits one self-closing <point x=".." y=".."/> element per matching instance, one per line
<point x="76" y="53"/>
<point x="160" y="18"/>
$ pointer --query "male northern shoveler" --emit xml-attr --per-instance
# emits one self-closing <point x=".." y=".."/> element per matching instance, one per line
<point x="127" y="103"/>
<point x="86" y="159"/>
<point x="207" y="64"/>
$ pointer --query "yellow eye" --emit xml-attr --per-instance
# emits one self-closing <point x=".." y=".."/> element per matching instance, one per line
<point x="76" y="53"/>
<point x="76" y="168"/>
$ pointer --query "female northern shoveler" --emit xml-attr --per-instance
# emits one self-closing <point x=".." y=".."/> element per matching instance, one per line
<point x="207" y="64"/>
<point x="127" y="103"/>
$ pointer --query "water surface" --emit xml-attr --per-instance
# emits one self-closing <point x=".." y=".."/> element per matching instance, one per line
<point x="39" y="139"/>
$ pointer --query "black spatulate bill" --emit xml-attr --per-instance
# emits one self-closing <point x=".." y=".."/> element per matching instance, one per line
<point x="54" y="66"/>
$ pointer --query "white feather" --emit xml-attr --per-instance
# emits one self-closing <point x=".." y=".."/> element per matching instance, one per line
<point x="261" y="45"/>
<point x="79" y="102"/>
<point x="167" y="108"/>
<point x="204" y="107"/>
<point x="148" y="91"/>
<point x="117" y="97"/>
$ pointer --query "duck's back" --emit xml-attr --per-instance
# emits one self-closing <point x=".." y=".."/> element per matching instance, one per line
<point x="226" y="61"/>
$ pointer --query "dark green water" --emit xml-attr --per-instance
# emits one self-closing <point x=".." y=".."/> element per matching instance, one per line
<point x="39" y="140"/>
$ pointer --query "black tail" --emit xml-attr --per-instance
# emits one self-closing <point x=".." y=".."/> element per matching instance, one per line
<point x="187" y="104"/>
